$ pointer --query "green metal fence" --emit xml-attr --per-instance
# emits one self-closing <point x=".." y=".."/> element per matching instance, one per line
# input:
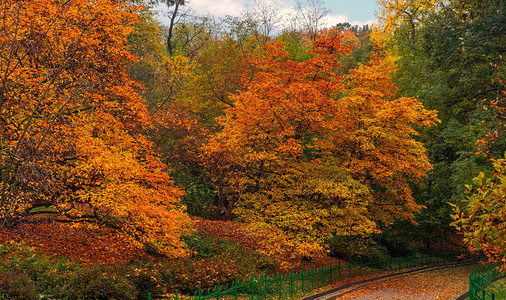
<point x="296" y="284"/>
<point x="481" y="286"/>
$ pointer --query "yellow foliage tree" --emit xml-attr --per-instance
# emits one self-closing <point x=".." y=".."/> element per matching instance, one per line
<point x="394" y="13"/>
<point x="72" y="123"/>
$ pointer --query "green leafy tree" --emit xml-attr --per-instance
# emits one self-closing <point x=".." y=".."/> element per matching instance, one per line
<point x="444" y="51"/>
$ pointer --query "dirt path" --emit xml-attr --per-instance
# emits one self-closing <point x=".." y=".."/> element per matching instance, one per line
<point x="425" y="285"/>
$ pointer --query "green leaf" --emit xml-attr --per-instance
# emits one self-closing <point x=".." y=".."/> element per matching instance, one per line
<point x="476" y="245"/>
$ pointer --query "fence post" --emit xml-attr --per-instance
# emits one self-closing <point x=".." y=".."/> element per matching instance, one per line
<point x="339" y="274"/>
<point x="330" y="273"/>
<point x="235" y="287"/>
<point x="471" y="286"/>
<point x="265" y="285"/>
<point x="280" y="290"/>
<point x="323" y="276"/>
<point x="199" y="293"/>
<point x="312" y="277"/>
<point x="291" y="283"/>
<point x="302" y="279"/>
<point x="252" y="286"/>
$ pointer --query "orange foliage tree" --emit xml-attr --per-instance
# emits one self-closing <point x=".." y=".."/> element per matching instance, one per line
<point x="306" y="153"/>
<point x="72" y="123"/>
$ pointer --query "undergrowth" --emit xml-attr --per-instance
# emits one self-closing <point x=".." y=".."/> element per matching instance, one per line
<point x="27" y="274"/>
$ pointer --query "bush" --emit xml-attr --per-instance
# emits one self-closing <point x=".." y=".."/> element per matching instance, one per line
<point x="199" y="200"/>
<point x="354" y="248"/>
<point x="145" y="276"/>
<point x="17" y="286"/>
<point x="395" y="244"/>
<point x="97" y="282"/>
<point x="205" y="246"/>
<point x="189" y="276"/>
<point x="26" y="275"/>
<point x="46" y="276"/>
<point x="214" y="261"/>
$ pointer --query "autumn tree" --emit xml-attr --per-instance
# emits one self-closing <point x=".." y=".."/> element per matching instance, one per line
<point x="175" y="15"/>
<point x="306" y="153"/>
<point x="360" y="38"/>
<point x="310" y="15"/>
<point x="72" y="125"/>
<point x="187" y="90"/>
<point x="267" y="18"/>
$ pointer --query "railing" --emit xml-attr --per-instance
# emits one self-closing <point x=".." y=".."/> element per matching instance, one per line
<point x="296" y="284"/>
<point x="481" y="285"/>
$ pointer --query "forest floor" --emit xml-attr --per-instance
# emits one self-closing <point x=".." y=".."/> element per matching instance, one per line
<point x="91" y="246"/>
<point x="102" y="246"/>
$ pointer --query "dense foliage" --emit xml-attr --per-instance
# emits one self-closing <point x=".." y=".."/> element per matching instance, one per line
<point x="448" y="55"/>
<point x="72" y="137"/>
<point x="483" y="221"/>
<point x="313" y="137"/>
<point x="28" y="274"/>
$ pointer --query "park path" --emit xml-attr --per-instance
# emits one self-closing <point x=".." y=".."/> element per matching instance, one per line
<point x="443" y="282"/>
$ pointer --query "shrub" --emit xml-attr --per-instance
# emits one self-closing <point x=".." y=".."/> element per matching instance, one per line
<point x="214" y="261"/>
<point x="395" y="244"/>
<point x="17" y="286"/>
<point x="189" y="276"/>
<point x="145" y="276"/>
<point x="46" y="275"/>
<point x="97" y="282"/>
<point x="353" y="248"/>
<point x="26" y="274"/>
<point x="205" y="246"/>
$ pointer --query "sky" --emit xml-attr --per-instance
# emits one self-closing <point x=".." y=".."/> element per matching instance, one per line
<point x="356" y="12"/>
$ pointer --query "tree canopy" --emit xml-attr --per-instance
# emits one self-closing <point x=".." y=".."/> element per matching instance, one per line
<point x="73" y="122"/>
<point x="109" y="118"/>
<point x="308" y="153"/>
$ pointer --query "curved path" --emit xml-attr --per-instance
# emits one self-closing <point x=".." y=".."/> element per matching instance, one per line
<point x="374" y="288"/>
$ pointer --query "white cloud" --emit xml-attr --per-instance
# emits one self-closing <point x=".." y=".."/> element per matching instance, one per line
<point x="218" y="8"/>
<point x="332" y="20"/>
